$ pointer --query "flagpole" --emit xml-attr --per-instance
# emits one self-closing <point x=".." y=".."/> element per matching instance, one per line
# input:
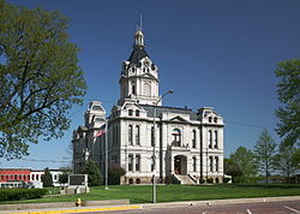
<point x="106" y="155"/>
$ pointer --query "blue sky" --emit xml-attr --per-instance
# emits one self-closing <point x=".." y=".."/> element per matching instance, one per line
<point x="211" y="53"/>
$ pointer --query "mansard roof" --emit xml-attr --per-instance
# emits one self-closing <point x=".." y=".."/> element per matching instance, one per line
<point x="166" y="109"/>
<point x="137" y="54"/>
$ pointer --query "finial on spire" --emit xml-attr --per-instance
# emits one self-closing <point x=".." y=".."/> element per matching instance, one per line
<point x="139" y="36"/>
<point x="141" y="22"/>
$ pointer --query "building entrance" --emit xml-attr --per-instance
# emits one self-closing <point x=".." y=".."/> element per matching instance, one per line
<point x="180" y="165"/>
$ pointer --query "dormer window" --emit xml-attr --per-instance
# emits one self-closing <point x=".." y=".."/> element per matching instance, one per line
<point x="97" y="108"/>
<point x="130" y="112"/>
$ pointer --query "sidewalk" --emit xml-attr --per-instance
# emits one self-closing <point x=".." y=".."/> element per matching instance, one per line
<point x="149" y="206"/>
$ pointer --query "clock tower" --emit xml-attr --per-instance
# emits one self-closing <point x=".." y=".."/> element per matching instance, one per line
<point x="139" y="75"/>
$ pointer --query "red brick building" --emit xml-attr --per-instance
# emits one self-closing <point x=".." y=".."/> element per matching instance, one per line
<point x="14" y="177"/>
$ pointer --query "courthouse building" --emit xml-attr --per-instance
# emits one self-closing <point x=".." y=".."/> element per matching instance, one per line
<point x="188" y="144"/>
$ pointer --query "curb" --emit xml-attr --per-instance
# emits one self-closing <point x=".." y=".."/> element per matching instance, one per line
<point x="75" y="210"/>
<point x="219" y="202"/>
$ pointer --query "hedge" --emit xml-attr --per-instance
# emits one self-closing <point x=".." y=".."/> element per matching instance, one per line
<point x="18" y="194"/>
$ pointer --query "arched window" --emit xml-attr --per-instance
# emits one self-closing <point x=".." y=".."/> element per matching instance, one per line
<point x="176" y="137"/>
<point x="210" y="139"/>
<point x="194" y="139"/>
<point x="130" y="135"/>
<point x="216" y="139"/>
<point x="137" y="135"/>
<point x="147" y="89"/>
<point x="130" y="112"/>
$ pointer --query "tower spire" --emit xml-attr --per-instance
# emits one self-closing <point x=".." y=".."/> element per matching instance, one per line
<point x="139" y="36"/>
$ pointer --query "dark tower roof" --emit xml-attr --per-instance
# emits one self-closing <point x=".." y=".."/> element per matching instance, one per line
<point x="137" y="54"/>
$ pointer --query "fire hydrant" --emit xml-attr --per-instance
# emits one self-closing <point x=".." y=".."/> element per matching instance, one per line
<point x="78" y="202"/>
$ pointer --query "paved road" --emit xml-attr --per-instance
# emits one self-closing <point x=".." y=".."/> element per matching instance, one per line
<point x="287" y="207"/>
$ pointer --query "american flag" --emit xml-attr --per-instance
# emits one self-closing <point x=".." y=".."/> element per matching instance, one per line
<point x="100" y="133"/>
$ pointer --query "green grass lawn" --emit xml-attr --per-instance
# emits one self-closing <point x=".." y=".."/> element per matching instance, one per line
<point x="169" y="193"/>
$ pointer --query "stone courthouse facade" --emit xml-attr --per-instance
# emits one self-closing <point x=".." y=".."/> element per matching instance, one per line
<point x="188" y="144"/>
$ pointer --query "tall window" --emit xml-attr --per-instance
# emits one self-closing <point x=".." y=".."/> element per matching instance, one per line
<point x="137" y="135"/>
<point x="130" y="135"/>
<point x="194" y="164"/>
<point x="210" y="139"/>
<point x="130" y="112"/>
<point x="194" y="139"/>
<point x="152" y="164"/>
<point x="138" y="162"/>
<point x="216" y="139"/>
<point x="217" y="163"/>
<point x="147" y="89"/>
<point x="152" y="136"/>
<point x="210" y="163"/>
<point x="176" y="137"/>
<point x="133" y="88"/>
<point x="130" y="162"/>
<point x="137" y="113"/>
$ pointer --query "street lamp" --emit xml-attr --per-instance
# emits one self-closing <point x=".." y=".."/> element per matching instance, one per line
<point x="154" y="144"/>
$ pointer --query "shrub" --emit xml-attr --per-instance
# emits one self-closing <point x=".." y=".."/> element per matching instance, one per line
<point x="93" y="171"/>
<point x="210" y="180"/>
<point x="18" y="194"/>
<point x="114" y="174"/>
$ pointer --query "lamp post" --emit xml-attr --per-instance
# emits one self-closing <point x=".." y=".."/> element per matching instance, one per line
<point x="154" y="145"/>
<point x="106" y="154"/>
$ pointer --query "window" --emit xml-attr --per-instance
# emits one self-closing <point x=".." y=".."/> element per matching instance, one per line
<point x="215" y="119"/>
<point x="152" y="164"/>
<point x="138" y="162"/>
<point x="133" y="89"/>
<point x="210" y="163"/>
<point x="216" y="139"/>
<point x="130" y="162"/>
<point x="194" y="139"/>
<point x="32" y="177"/>
<point x="210" y="139"/>
<point x="194" y="164"/>
<point x="130" y="112"/>
<point x="130" y="135"/>
<point x="137" y="113"/>
<point x="217" y="163"/>
<point x="147" y="89"/>
<point x="176" y="137"/>
<point x="137" y="135"/>
<point x="16" y="177"/>
<point x="210" y="119"/>
<point x="152" y="136"/>
<point x="55" y="177"/>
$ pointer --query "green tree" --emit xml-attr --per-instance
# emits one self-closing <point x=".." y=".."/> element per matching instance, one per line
<point x="244" y="158"/>
<point x="47" y="178"/>
<point x="63" y="178"/>
<point x="264" y="153"/>
<point x="233" y="169"/>
<point x="94" y="175"/>
<point x="115" y="173"/>
<point x="288" y="90"/>
<point x="40" y="78"/>
<point x="285" y="160"/>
